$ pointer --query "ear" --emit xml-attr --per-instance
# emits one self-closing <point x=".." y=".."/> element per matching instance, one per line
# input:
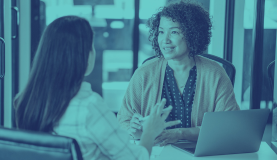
<point x="91" y="61"/>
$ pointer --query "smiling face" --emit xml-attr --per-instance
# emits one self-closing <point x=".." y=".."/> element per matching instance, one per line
<point x="171" y="41"/>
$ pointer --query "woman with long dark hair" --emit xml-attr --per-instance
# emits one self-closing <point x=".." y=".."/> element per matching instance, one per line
<point x="57" y="100"/>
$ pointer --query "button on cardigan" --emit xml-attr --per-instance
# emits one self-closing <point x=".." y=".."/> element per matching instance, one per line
<point x="214" y="91"/>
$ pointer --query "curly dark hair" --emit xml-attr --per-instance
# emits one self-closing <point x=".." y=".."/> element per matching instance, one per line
<point x="195" y="24"/>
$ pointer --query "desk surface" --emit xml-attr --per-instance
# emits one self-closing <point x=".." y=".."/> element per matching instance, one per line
<point x="264" y="153"/>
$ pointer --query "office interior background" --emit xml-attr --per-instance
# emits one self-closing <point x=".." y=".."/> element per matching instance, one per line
<point x="244" y="33"/>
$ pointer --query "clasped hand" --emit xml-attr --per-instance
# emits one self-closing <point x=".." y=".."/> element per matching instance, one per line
<point x="169" y="136"/>
<point x="135" y="126"/>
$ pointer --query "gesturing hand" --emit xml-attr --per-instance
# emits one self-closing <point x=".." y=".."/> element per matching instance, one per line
<point x="168" y="136"/>
<point x="156" y="121"/>
<point x="135" y="126"/>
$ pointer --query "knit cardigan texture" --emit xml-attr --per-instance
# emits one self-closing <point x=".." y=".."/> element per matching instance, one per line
<point x="214" y="91"/>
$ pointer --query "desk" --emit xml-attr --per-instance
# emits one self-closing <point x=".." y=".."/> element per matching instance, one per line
<point x="264" y="153"/>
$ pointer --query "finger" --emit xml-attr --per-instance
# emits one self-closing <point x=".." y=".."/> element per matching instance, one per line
<point x="136" y="121"/>
<point x="166" y="113"/>
<point x="137" y="115"/>
<point x="172" y="123"/>
<point x="157" y="141"/>
<point x="164" y="142"/>
<point x="136" y="126"/>
<point x="161" y="106"/>
<point x="161" y="138"/>
<point x="132" y="130"/>
<point x="154" y="110"/>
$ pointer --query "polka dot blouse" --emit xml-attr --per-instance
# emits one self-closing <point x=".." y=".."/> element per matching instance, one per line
<point x="182" y="104"/>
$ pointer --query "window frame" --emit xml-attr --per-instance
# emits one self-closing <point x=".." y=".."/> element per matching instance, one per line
<point x="2" y="79"/>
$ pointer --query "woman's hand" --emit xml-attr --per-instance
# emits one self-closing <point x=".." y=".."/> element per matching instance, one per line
<point x="135" y="126"/>
<point x="154" y="125"/>
<point x="156" y="121"/>
<point x="169" y="136"/>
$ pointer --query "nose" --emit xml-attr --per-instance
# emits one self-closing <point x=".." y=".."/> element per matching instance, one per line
<point x="167" y="38"/>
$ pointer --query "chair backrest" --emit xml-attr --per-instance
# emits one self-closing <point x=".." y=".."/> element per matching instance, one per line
<point x="18" y="144"/>
<point x="228" y="66"/>
<point x="270" y="74"/>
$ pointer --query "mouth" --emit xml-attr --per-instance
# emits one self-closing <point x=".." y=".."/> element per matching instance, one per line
<point x="168" y="49"/>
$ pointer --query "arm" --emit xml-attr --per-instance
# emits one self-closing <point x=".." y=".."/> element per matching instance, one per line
<point x="224" y="101"/>
<point x="155" y="125"/>
<point x="147" y="140"/>
<point x="113" y="141"/>
<point x="104" y="130"/>
<point x="173" y="135"/>
<point x="190" y="134"/>
<point x="225" y="96"/>
<point x="131" y="102"/>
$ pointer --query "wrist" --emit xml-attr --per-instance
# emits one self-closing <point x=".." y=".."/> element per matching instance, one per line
<point x="180" y="133"/>
<point x="148" y="134"/>
<point x="147" y="140"/>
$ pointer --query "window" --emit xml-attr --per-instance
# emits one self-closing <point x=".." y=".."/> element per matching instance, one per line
<point x="243" y="53"/>
<point x="112" y="21"/>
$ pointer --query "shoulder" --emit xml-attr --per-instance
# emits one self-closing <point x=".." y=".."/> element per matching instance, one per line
<point x="96" y="102"/>
<point x="98" y="113"/>
<point x="88" y="98"/>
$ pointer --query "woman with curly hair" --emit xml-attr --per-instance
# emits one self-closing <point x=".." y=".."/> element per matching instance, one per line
<point x="191" y="84"/>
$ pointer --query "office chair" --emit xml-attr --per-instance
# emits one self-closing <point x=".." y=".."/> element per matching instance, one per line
<point x="270" y="74"/>
<point x="228" y="66"/>
<point x="18" y="144"/>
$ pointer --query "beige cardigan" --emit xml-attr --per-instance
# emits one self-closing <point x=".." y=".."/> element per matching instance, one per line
<point x="214" y="91"/>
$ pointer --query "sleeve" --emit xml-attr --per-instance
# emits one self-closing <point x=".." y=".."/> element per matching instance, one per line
<point x="225" y="96"/>
<point x="131" y="100"/>
<point x="113" y="142"/>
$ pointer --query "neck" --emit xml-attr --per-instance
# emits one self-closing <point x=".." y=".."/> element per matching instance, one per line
<point x="181" y="64"/>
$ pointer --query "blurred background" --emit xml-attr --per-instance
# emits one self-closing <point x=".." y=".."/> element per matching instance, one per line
<point x="121" y="44"/>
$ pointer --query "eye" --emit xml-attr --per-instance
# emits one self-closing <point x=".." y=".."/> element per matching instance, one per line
<point x="174" y="32"/>
<point x="160" y="32"/>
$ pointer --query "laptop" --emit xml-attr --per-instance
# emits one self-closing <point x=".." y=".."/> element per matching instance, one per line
<point x="228" y="132"/>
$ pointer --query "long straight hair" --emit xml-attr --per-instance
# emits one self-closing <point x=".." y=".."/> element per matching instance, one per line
<point x="56" y="75"/>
